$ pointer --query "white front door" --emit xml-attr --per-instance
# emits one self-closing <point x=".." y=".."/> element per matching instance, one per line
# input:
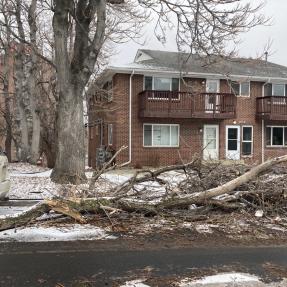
<point x="212" y="86"/>
<point x="210" y="142"/>
<point x="233" y="142"/>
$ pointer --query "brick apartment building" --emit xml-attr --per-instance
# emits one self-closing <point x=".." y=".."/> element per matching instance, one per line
<point x="166" y="107"/>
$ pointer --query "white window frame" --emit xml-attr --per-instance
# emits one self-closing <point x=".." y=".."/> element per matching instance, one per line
<point x="161" y="146"/>
<point x="278" y="84"/>
<point x="240" y="89"/>
<point x="110" y="134"/>
<point x="271" y="135"/>
<point x="162" y="76"/>
<point x="242" y="141"/>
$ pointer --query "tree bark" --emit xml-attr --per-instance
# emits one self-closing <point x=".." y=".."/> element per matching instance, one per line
<point x="70" y="161"/>
<point x="33" y="87"/>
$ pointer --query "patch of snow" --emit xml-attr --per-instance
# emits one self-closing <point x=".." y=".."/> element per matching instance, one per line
<point x="68" y="232"/>
<point x="205" y="228"/>
<point x="220" y="279"/>
<point x="135" y="283"/>
<point x="46" y="173"/>
<point x="274" y="227"/>
<point x="259" y="213"/>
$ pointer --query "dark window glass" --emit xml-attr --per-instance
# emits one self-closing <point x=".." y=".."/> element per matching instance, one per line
<point x="268" y="90"/>
<point x="232" y="144"/>
<point x="285" y="136"/>
<point x="232" y="133"/>
<point x="246" y="148"/>
<point x="175" y="84"/>
<point x="147" y="135"/>
<point x="277" y="138"/>
<point x="247" y="133"/>
<point x="148" y="83"/>
<point x="235" y="88"/>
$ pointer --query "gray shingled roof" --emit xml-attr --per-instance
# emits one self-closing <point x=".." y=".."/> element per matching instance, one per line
<point x="174" y="61"/>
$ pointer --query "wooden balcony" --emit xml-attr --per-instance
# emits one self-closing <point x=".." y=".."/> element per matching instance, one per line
<point x="166" y="104"/>
<point x="272" y="108"/>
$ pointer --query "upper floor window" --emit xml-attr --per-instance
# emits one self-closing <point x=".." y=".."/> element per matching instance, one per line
<point x="161" y="84"/>
<point x="278" y="90"/>
<point x="240" y="88"/>
<point x="274" y="90"/>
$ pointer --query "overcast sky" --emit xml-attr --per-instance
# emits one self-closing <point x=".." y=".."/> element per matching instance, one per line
<point x="252" y="43"/>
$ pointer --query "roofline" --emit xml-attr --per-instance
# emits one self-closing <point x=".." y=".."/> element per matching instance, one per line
<point x="122" y="70"/>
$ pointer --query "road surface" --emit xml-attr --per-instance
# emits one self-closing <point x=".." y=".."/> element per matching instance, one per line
<point x="46" y="264"/>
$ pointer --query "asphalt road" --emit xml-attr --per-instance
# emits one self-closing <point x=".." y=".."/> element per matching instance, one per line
<point x="46" y="264"/>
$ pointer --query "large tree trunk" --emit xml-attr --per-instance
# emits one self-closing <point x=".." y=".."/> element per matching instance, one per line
<point x="33" y="88"/>
<point x="70" y="160"/>
<point x="22" y="134"/>
<point x="70" y="144"/>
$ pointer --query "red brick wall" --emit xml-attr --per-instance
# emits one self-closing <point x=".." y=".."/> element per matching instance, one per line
<point x="191" y="130"/>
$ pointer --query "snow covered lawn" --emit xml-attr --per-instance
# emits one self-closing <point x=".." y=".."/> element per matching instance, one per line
<point x="220" y="279"/>
<point x="67" y="232"/>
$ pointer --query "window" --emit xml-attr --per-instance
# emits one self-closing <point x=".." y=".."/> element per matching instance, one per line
<point x="110" y="134"/>
<point x="278" y="90"/>
<point x="160" y="135"/>
<point x="276" y="136"/>
<point x="247" y="140"/>
<point x="240" y="89"/>
<point x="148" y="83"/>
<point x="161" y="84"/>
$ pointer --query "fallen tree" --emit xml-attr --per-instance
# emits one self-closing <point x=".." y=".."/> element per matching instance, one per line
<point x="76" y="208"/>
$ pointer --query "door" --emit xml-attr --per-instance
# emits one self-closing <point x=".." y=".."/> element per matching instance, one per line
<point x="233" y="142"/>
<point x="211" y="142"/>
<point x="211" y="100"/>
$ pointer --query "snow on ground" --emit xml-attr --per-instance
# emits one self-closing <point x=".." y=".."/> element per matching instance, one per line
<point x="224" y="278"/>
<point x="67" y="232"/>
<point x="135" y="283"/>
<point x="33" y="182"/>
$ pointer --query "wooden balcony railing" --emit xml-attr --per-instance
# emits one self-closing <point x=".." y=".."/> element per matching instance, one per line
<point x="272" y="108"/>
<point x="166" y="104"/>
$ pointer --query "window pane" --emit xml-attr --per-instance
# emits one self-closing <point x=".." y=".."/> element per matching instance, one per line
<point x="232" y="133"/>
<point x="174" y="135"/>
<point x="175" y="84"/>
<point x="268" y="136"/>
<point x="245" y="89"/>
<point x="161" y="135"/>
<point x="235" y="88"/>
<point x="232" y="144"/>
<point x="212" y="86"/>
<point x="285" y="135"/>
<point x="277" y="138"/>
<point x="278" y="90"/>
<point x="148" y="83"/>
<point x="246" y="148"/>
<point x="247" y="133"/>
<point x="147" y="135"/>
<point x="162" y="84"/>
<point x="268" y="90"/>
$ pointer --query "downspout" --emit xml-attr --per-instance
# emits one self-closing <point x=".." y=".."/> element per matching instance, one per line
<point x="130" y="120"/>
<point x="263" y="127"/>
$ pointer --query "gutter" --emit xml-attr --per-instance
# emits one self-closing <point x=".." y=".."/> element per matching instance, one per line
<point x="153" y="71"/>
<point x="130" y="120"/>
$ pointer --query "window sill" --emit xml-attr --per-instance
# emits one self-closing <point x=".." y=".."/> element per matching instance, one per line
<point x="276" y="147"/>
